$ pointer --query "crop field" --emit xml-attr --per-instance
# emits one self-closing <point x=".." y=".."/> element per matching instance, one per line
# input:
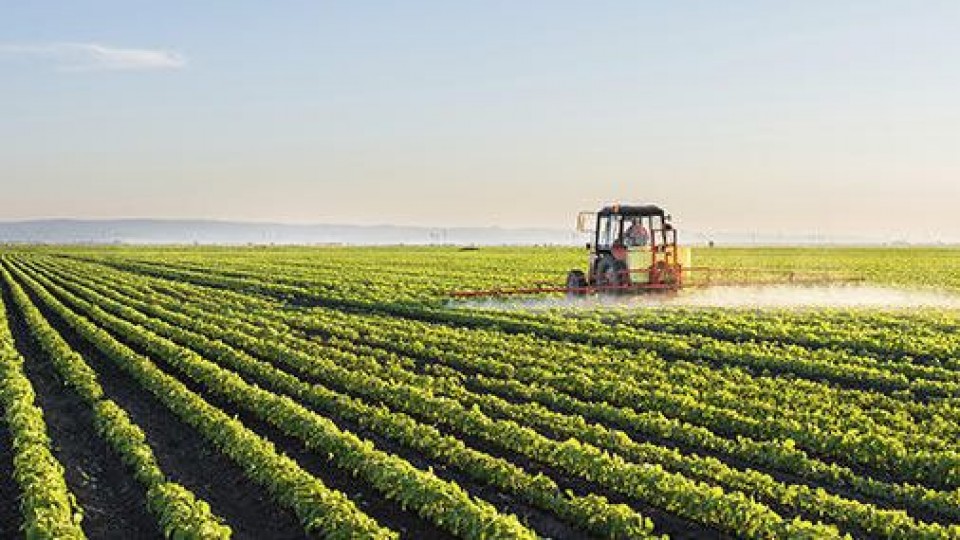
<point x="335" y="392"/>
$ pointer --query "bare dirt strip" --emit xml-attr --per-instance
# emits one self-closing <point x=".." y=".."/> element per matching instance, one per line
<point x="113" y="502"/>
<point x="184" y="455"/>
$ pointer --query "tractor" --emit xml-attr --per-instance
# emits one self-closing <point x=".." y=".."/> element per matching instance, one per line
<point x="634" y="248"/>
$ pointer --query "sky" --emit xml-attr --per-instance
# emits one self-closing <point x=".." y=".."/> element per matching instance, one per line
<point x="798" y="117"/>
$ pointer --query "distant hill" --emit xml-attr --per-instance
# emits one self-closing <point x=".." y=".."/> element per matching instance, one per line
<point x="154" y="231"/>
<point x="161" y="231"/>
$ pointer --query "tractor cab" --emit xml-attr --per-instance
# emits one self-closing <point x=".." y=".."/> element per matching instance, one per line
<point x="633" y="247"/>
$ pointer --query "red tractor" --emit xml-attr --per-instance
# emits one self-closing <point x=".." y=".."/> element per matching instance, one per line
<point x="634" y="248"/>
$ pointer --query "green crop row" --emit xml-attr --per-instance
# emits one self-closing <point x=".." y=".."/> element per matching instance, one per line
<point x="591" y="512"/>
<point x="911" y="345"/>
<point x="838" y="509"/>
<point x="877" y="521"/>
<point x="180" y="513"/>
<point x="446" y="504"/>
<point x="935" y="465"/>
<point x="732" y="510"/>
<point x="48" y="507"/>
<point x="826" y="411"/>
<point x="319" y="508"/>
<point x="779" y="455"/>
<point x="919" y="456"/>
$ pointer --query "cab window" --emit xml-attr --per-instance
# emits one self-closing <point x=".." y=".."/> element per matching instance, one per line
<point x="609" y="231"/>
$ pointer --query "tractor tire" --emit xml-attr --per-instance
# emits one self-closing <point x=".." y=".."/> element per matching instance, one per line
<point x="576" y="280"/>
<point x="612" y="272"/>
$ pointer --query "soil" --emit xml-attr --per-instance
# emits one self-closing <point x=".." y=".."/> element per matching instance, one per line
<point x="786" y="511"/>
<point x="667" y="523"/>
<point x="884" y="476"/>
<point x="676" y="527"/>
<point x="113" y="502"/>
<point x="544" y="523"/>
<point x="781" y="476"/>
<point x="184" y="455"/>
<point x="387" y="513"/>
<point x="10" y="518"/>
<point x="682" y="531"/>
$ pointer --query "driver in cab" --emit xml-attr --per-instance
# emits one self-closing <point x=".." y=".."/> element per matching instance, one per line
<point x="637" y="234"/>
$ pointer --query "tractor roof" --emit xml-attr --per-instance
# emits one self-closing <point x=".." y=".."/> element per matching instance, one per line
<point x="632" y="210"/>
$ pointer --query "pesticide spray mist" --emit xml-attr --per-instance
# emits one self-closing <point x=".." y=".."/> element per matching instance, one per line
<point x="755" y="297"/>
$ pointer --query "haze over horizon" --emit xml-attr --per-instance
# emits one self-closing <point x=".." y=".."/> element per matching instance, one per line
<point x="840" y="119"/>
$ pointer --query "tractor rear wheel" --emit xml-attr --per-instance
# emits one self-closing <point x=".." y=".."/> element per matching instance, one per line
<point x="576" y="283"/>
<point x="612" y="272"/>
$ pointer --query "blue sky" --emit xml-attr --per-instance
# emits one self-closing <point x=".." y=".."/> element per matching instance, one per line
<point x="829" y="117"/>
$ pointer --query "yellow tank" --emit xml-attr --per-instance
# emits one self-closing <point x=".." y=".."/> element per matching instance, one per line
<point x="638" y="261"/>
<point x="685" y="258"/>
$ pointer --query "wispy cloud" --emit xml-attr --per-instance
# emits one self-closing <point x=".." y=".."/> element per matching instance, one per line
<point x="95" y="57"/>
